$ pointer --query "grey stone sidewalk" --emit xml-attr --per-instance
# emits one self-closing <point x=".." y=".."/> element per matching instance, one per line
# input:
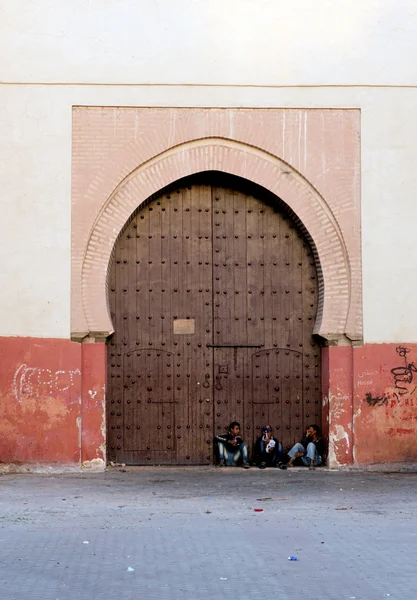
<point x="193" y="533"/>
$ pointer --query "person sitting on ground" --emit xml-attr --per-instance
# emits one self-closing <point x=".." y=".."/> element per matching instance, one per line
<point x="268" y="450"/>
<point x="231" y="447"/>
<point x="283" y="463"/>
<point x="311" y="451"/>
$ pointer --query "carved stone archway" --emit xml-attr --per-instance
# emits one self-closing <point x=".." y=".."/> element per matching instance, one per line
<point x="338" y="317"/>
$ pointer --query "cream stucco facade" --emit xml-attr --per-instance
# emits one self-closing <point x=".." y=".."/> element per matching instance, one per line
<point x="59" y="59"/>
<point x="201" y="54"/>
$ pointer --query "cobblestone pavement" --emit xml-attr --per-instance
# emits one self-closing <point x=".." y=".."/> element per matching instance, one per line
<point x="193" y="534"/>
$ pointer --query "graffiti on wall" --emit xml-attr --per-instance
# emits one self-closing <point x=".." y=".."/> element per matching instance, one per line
<point x="32" y="382"/>
<point x="404" y="378"/>
<point x="404" y="381"/>
<point x="376" y="400"/>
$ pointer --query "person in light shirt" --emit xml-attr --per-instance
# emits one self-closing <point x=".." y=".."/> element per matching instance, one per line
<point x="310" y="451"/>
<point x="232" y="450"/>
<point x="268" y="450"/>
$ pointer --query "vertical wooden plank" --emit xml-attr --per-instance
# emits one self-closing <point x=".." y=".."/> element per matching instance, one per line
<point x="168" y="283"/>
<point x="129" y="264"/>
<point x="229" y="316"/>
<point x="255" y="275"/>
<point x="255" y="309"/>
<point x="137" y="419"/>
<point x="242" y="302"/>
<point x="221" y="270"/>
<point x="154" y="273"/>
<point x="268" y="251"/>
<point x="258" y="388"/>
<point x="177" y="293"/>
<point x="276" y="392"/>
<point x="192" y="302"/>
<point x="112" y="368"/>
<point x="296" y="340"/>
<point x="265" y="321"/>
<point x="201" y="356"/>
<point x="185" y="311"/>
<point x="159" y="408"/>
<point x="240" y="266"/>
<point x="311" y="367"/>
<point x="226" y="281"/>
<point x="140" y="417"/>
<point x="168" y="424"/>
<point x="272" y="315"/>
<point x="124" y="339"/>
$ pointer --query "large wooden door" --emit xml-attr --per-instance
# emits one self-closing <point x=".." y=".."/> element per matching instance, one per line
<point x="213" y="295"/>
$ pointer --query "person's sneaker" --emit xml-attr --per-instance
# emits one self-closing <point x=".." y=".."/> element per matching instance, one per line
<point x="282" y="466"/>
<point x="312" y="468"/>
<point x="262" y="465"/>
<point x="221" y="463"/>
<point x="246" y="465"/>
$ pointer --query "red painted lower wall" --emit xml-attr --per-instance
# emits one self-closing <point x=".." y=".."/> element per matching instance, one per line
<point x="371" y="401"/>
<point x="338" y="403"/>
<point x="385" y="403"/>
<point x="52" y="402"/>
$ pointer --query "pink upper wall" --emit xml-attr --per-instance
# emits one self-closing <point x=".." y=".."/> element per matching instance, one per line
<point x="321" y="145"/>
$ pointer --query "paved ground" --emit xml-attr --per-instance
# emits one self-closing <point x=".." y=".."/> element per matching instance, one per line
<point x="193" y="534"/>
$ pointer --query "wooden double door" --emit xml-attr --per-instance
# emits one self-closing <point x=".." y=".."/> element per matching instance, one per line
<point x="213" y="296"/>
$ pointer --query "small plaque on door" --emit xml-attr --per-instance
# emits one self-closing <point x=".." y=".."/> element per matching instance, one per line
<point x="184" y="326"/>
<point x="223" y="368"/>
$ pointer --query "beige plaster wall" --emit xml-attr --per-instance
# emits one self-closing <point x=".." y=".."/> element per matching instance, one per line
<point x="148" y="53"/>
<point x="222" y="42"/>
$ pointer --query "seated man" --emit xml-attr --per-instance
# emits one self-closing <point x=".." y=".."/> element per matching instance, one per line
<point x="311" y="451"/>
<point x="232" y="448"/>
<point x="268" y="450"/>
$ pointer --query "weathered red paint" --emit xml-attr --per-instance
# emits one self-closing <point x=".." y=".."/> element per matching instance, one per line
<point x="372" y="402"/>
<point x="40" y="389"/>
<point x="393" y="430"/>
<point x="340" y="403"/>
<point x="325" y="391"/>
<point x="52" y="402"/>
<point x="385" y="420"/>
<point x="94" y="361"/>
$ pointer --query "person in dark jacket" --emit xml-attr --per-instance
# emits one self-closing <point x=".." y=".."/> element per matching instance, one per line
<point x="268" y="450"/>
<point x="310" y="452"/>
<point x="231" y="447"/>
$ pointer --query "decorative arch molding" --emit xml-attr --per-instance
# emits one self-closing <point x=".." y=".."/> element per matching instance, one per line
<point x="334" y="319"/>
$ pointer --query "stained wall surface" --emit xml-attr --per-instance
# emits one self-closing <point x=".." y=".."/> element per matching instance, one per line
<point x="371" y="404"/>
<point x="52" y="402"/>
